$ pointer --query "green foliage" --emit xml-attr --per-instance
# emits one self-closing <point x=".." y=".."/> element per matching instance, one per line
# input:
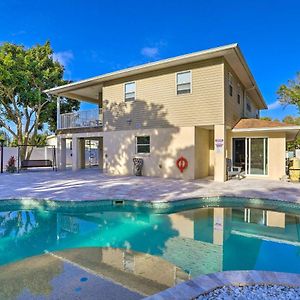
<point x="290" y="93"/>
<point x="11" y="165"/>
<point x="5" y="137"/>
<point x="39" y="140"/>
<point x="293" y="121"/>
<point x="289" y="120"/>
<point x="266" y="118"/>
<point x="24" y="74"/>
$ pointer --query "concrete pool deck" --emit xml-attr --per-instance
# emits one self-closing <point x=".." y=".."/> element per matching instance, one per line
<point x="91" y="184"/>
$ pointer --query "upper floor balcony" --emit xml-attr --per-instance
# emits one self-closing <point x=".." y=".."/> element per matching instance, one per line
<point x="81" y="119"/>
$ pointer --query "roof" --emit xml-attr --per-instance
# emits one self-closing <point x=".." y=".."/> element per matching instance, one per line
<point x="254" y="125"/>
<point x="259" y="123"/>
<point x="89" y="89"/>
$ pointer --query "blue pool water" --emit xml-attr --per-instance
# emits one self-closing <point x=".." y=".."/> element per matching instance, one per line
<point x="231" y="235"/>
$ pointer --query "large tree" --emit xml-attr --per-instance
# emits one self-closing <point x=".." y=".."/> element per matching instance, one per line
<point x="290" y="93"/>
<point x="24" y="74"/>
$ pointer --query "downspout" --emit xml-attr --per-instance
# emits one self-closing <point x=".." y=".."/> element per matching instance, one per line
<point x="245" y="98"/>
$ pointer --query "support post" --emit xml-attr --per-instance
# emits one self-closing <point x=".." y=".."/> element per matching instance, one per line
<point x="75" y="154"/>
<point x="62" y="155"/>
<point x="100" y="153"/>
<point x="82" y="153"/>
<point x="220" y="153"/>
<point x="58" y="118"/>
<point x="2" y="147"/>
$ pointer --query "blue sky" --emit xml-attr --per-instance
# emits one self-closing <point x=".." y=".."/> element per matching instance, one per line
<point x="95" y="37"/>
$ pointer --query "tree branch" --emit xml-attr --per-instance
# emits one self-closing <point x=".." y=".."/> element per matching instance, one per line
<point x="8" y="128"/>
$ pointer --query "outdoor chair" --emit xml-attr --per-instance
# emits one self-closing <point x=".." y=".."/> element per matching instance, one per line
<point x="233" y="171"/>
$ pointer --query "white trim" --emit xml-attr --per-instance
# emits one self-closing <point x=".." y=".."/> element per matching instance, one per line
<point x="176" y="83"/>
<point x="124" y="91"/>
<point x="136" y="144"/>
<point x="282" y="128"/>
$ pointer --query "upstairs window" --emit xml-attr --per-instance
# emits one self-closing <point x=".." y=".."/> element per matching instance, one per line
<point x="129" y="91"/>
<point x="239" y="94"/>
<point x="248" y="107"/>
<point x="230" y="84"/>
<point x="183" y="81"/>
<point x="142" y="144"/>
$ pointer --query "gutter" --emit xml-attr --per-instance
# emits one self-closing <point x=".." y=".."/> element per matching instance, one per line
<point x="282" y="128"/>
<point x="254" y="84"/>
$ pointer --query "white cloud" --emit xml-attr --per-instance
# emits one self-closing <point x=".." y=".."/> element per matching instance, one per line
<point x="63" y="57"/>
<point x="276" y="104"/>
<point x="150" y="52"/>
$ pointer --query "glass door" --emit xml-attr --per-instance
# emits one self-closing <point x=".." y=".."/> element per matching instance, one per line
<point x="239" y="153"/>
<point x="257" y="156"/>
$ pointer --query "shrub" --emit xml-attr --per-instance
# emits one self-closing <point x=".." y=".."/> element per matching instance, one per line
<point x="11" y="165"/>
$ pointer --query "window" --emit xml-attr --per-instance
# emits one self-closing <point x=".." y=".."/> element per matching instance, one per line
<point x="239" y="94"/>
<point x="230" y="85"/>
<point x="255" y="216"/>
<point x="143" y="144"/>
<point x="183" y="81"/>
<point x="248" y="107"/>
<point x="129" y="91"/>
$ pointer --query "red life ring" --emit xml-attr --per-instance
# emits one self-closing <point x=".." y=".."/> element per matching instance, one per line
<point x="182" y="163"/>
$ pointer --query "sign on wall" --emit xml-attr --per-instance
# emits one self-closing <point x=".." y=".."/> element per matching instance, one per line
<point x="219" y="144"/>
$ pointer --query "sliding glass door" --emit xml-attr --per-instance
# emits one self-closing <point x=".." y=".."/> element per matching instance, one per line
<point x="251" y="154"/>
<point x="257" y="156"/>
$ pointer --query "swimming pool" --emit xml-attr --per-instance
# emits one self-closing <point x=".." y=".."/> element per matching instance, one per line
<point x="181" y="239"/>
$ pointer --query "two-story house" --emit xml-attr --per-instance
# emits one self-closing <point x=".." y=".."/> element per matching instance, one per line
<point x="202" y="106"/>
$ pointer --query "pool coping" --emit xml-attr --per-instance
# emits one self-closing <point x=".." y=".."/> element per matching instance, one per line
<point x="216" y="195"/>
<point x="203" y="284"/>
<point x="158" y="206"/>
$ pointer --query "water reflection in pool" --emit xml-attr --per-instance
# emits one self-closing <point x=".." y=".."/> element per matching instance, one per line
<point x="198" y="241"/>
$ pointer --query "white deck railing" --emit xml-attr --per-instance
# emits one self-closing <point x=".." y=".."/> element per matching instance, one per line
<point x="84" y="118"/>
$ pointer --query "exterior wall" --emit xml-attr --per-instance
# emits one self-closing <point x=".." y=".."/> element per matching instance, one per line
<point x="233" y="110"/>
<point x="158" y="106"/>
<point x="202" y="153"/>
<point x="211" y="153"/>
<point x="276" y="151"/>
<point x="275" y="219"/>
<point x="167" y="145"/>
<point x="220" y="135"/>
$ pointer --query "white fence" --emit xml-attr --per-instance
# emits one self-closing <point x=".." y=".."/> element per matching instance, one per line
<point x="8" y="152"/>
<point x="91" y="156"/>
<point x="37" y="153"/>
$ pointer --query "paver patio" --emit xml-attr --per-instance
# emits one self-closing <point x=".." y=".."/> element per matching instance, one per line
<point x="91" y="184"/>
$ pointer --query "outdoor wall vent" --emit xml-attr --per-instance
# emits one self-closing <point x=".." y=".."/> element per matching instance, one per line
<point x="118" y="202"/>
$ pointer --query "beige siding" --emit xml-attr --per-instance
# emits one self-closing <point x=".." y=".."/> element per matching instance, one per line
<point x="158" y="106"/>
<point x="233" y="110"/>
